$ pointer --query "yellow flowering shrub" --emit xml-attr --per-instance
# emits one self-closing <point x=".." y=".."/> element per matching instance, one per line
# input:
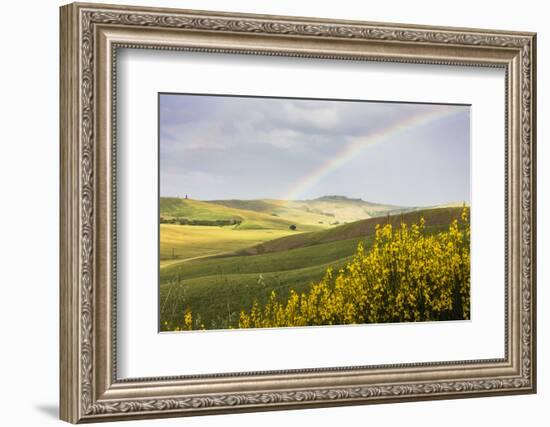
<point x="189" y="323"/>
<point x="408" y="275"/>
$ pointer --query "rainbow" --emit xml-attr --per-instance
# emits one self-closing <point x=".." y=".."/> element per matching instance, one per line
<point x="358" y="145"/>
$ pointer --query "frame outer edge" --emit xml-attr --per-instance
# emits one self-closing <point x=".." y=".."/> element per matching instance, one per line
<point x="534" y="270"/>
<point x="69" y="355"/>
<point x="77" y="225"/>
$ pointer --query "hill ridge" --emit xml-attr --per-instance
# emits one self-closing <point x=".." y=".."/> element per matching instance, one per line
<point x="433" y="217"/>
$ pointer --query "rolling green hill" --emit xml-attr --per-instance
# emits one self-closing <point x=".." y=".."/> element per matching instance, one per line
<point x="281" y="209"/>
<point x="276" y="261"/>
<point x="326" y="210"/>
<point x="433" y="217"/>
<point x="259" y="205"/>
<point x="217" y="287"/>
<point x="173" y="208"/>
<point x="180" y="243"/>
<point x="343" y="209"/>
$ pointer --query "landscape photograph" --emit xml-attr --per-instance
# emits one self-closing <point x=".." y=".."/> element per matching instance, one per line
<point x="290" y="212"/>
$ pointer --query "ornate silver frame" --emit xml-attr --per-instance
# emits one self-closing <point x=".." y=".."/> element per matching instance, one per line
<point x="90" y="36"/>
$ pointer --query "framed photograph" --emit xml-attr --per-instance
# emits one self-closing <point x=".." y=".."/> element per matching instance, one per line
<point x="266" y="212"/>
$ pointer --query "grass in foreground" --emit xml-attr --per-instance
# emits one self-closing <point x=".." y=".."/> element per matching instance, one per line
<point x="218" y="288"/>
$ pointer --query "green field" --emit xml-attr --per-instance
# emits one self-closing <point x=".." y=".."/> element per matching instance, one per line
<point x="218" y="271"/>
<point x="180" y="243"/>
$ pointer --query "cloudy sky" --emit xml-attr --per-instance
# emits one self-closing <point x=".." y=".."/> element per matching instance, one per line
<point x="220" y="147"/>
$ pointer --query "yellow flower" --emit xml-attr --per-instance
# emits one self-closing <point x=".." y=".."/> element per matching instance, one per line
<point x="407" y="275"/>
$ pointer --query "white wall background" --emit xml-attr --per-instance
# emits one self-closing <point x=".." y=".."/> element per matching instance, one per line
<point x="29" y="170"/>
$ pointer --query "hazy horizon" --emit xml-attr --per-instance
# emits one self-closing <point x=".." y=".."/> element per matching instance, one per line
<point x="372" y="202"/>
<point x="220" y="148"/>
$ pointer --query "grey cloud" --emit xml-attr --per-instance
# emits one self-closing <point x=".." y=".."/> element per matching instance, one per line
<point x="258" y="147"/>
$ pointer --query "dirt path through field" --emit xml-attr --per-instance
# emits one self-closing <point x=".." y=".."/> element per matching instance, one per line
<point x="166" y="263"/>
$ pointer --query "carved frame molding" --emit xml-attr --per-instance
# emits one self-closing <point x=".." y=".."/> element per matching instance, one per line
<point x="90" y="36"/>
